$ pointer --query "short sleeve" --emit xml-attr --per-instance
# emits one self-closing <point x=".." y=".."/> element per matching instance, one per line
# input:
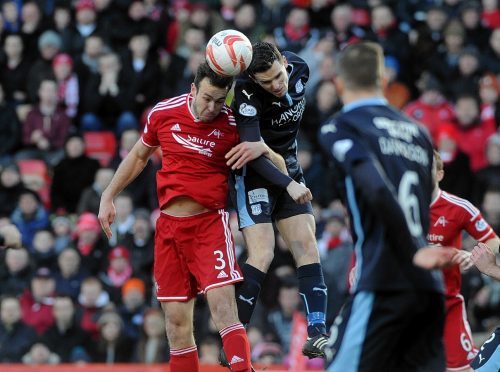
<point x="478" y="228"/>
<point x="150" y="132"/>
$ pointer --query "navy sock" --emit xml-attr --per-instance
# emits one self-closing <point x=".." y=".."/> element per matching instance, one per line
<point x="248" y="292"/>
<point x="313" y="291"/>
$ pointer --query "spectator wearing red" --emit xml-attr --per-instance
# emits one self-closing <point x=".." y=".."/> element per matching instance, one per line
<point x="431" y="109"/>
<point x="37" y="302"/>
<point x="473" y="132"/>
<point x="93" y="299"/>
<point x="489" y="91"/>
<point x="490" y="16"/>
<point x="297" y="32"/>
<point x="90" y="243"/>
<point x="67" y="83"/>
<point x="118" y="272"/>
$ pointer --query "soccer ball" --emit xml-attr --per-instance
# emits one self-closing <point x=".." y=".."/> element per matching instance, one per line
<point x="229" y="52"/>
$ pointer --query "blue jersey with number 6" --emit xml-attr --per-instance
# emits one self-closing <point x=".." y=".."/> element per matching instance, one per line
<point x="369" y="130"/>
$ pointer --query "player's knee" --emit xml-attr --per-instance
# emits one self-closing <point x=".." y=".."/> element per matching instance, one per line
<point x="261" y="258"/>
<point x="224" y="313"/>
<point x="179" y="329"/>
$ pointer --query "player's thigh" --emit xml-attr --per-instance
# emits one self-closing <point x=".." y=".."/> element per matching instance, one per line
<point x="299" y="234"/>
<point x="458" y="342"/>
<point x="222" y="304"/>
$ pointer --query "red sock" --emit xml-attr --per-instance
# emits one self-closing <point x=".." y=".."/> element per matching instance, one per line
<point x="184" y="360"/>
<point x="236" y="347"/>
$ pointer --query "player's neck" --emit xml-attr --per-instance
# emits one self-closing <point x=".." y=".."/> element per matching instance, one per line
<point x="349" y="96"/>
<point x="435" y="193"/>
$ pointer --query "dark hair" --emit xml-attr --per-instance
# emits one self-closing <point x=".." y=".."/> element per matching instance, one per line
<point x="360" y="65"/>
<point x="204" y="71"/>
<point x="263" y="56"/>
<point x="468" y="95"/>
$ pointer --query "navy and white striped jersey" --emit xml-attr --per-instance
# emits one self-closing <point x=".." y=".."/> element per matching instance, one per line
<point x="369" y="131"/>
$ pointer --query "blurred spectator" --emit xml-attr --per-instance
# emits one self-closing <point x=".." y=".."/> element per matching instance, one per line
<point x="396" y="92"/>
<point x="297" y="33"/>
<point x="124" y="219"/>
<point x="475" y="33"/>
<point x="143" y="188"/>
<point x="40" y="353"/>
<point x="385" y="31"/>
<point x="452" y="7"/>
<point x="14" y="70"/>
<point x="468" y="72"/>
<point x="314" y="55"/>
<point x="228" y="9"/>
<point x="71" y="274"/>
<point x="11" y="187"/>
<point x="132" y="310"/>
<point x="193" y="40"/>
<point x="489" y="91"/>
<point x="141" y="68"/>
<point x="489" y="176"/>
<point x="344" y="31"/>
<point x="49" y="44"/>
<point x="108" y="99"/>
<point x="67" y="83"/>
<point x="490" y="16"/>
<point x="32" y="27"/>
<point x="62" y="228"/>
<point x="427" y="36"/>
<point x="91" y="196"/>
<point x="209" y="350"/>
<point x="119" y="270"/>
<point x="74" y="173"/>
<point x="16" y="336"/>
<point x="310" y="162"/>
<point x="37" y="302"/>
<point x="11" y="13"/>
<point x="431" y="109"/>
<point x="44" y="254"/>
<point x="245" y="20"/>
<point x="15" y="278"/>
<point x="61" y="17"/>
<point x="152" y="346"/>
<point x="273" y="13"/>
<point x="65" y="335"/>
<point x="492" y="54"/>
<point x="183" y="82"/>
<point x="491" y="207"/>
<point x="140" y="243"/>
<point x="280" y="319"/>
<point x="87" y="63"/>
<point x="472" y="131"/>
<point x="46" y="126"/>
<point x="444" y="62"/>
<point x="10" y="130"/>
<point x="459" y="177"/>
<point x="113" y="346"/>
<point x="267" y="353"/>
<point x="73" y="37"/>
<point x="29" y="216"/>
<point x="92" y="299"/>
<point x="90" y="243"/>
<point x="336" y="252"/>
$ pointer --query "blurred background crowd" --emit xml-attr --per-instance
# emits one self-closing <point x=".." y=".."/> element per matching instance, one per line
<point x="76" y="81"/>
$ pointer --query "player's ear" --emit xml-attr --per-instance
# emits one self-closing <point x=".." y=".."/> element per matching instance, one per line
<point x="339" y="85"/>
<point x="193" y="90"/>
<point x="285" y="62"/>
<point x="440" y="175"/>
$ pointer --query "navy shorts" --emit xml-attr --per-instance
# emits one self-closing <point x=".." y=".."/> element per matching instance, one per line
<point x="488" y="358"/>
<point x="388" y="332"/>
<point x="258" y="201"/>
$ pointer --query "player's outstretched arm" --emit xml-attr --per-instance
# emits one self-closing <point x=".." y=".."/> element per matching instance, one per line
<point x="435" y="257"/>
<point x="247" y="151"/>
<point x="129" y="169"/>
<point x="485" y="260"/>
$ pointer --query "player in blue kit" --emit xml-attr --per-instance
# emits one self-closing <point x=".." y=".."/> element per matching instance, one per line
<point x="269" y="100"/>
<point x="382" y="162"/>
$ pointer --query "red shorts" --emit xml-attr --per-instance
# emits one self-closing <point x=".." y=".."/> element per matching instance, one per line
<point x="193" y="254"/>
<point x="458" y="344"/>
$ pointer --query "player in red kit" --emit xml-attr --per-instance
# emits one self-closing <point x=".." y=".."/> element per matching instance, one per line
<point x="194" y="251"/>
<point x="450" y="215"/>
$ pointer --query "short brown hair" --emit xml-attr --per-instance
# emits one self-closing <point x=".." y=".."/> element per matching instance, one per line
<point x="438" y="160"/>
<point x="361" y="65"/>
<point x="263" y="56"/>
<point x="204" y="71"/>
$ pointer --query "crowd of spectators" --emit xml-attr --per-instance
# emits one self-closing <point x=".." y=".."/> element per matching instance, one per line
<point x="68" y="68"/>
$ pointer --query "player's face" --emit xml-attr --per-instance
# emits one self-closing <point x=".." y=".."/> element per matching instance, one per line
<point x="208" y="100"/>
<point x="275" y="79"/>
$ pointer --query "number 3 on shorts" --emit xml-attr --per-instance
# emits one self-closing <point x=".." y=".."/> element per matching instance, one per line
<point x="220" y="259"/>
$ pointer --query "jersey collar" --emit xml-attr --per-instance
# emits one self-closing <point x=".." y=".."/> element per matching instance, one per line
<point x="370" y="101"/>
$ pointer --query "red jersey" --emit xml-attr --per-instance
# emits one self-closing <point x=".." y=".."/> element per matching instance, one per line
<point x="193" y="162"/>
<point x="450" y="215"/>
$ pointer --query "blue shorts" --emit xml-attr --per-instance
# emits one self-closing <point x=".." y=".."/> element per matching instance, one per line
<point x="488" y="358"/>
